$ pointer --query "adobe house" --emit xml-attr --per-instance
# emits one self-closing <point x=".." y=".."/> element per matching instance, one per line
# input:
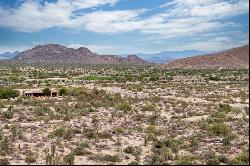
<point x="37" y="92"/>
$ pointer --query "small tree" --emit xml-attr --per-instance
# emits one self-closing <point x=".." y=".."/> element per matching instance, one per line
<point x="63" y="92"/>
<point x="47" y="92"/>
<point x="119" y="131"/>
<point x="226" y="142"/>
<point x="30" y="157"/>
<point x="69" y="159"/>
<point x="95" y="121"/>
<point x="16" y="131"/>
<point x="194" y="144"/>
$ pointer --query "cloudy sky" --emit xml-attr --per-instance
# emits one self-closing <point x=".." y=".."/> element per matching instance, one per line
<point x="124" y="26"/>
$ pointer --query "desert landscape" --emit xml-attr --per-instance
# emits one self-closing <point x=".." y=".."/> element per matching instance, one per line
<point x="138" y="114"/>
<point x="124" y="82"/>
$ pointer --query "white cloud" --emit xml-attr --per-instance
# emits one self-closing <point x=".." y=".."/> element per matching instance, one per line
<point x="220" y="43"/>
<point x="209" y="9"/>
<point x="32" y="16"/>
<point x="20" y="48"/>
<point x="180" y="18"/>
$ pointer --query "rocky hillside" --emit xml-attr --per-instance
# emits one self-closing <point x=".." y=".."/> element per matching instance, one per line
<point x="231" y="59"/>
<point x="53" y="53"/>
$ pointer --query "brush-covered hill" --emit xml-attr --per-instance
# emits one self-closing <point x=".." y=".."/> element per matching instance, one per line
<point x="235" y="58"/>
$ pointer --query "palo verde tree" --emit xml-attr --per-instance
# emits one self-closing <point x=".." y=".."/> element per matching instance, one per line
<point x="47" y="92"/>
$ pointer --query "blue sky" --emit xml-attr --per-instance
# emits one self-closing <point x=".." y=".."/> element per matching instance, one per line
<point x="124" y="26"/>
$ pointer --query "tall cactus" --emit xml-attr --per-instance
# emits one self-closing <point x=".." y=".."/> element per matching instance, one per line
<point x="50" y="156"/>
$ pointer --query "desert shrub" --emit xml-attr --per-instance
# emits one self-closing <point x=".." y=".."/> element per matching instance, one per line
<point x="194" y="144"/>
<point x="137" y="153"/>
<point x="246" y="109"/>
<point x="84" y="111"/>
<point x="153" y="118"/>
<point x="210" y="158"/>
<point x="106" y="157"/>
<point x="16" y="131"/>
<point x="119" y="130"/>
<point x="133" y="163"/>
<point x="46" y="92"/>
<point x="84" y="144"/>
<point x="124" y="107"/>
<point x="4" y="146"/>
<point x="41" y="111"/>
<point x="4" y="161"/>
<point x="214" y="78"/>
<point x="7" y="93"/>
<point x="223" y="159"/>
<point x="185" y="160"/>
<point x="213" y="161"/>
<point x="129" y="150"/>
<point x="63" y="92"/>
<point x="171" y="143"/>
<point x="218" y="129"/>
<point x="63" y="132"/>
<point x="78" y="92"/>
<point x="81" y="149"/>
<point x="155" y="159"/>
<point x="9" y="113"/>
<point x="69" y="159"/>
<point x="89" y="133"/>
<point x="104" y="135"/>
<point x="220" y="115"/>
<point x="148" y="107"/>
<point x="243" y="158"/>
<point x="30" y="157"/>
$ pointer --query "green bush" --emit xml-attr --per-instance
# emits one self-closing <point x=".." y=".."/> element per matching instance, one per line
<point x="16" y="131"/>
<point x="124" y="107"/>
<point x="42" y="111"/>
<point x="133" y="163"/>
<point x="30" y="157"/>
<point x="218" y="129"/>
<point x="4" y="161"/>
<point x="8" y="114"/>
<point x="106" y="157"/>
<point x="4" y="146"/>
<point x="211" y="158"/>
<point x="69" y="159"/>
<point x="63" y="92"/>
<point x="64" y="132"/>
<point x="129" y="150"/>
<point x="243" y="158"/>
<point x="104" y="135"/>
<point x="81" y="149"/>
<point x="148" y="107"/>
<point x="185" y="160"/>
<point x="47" y="92"/>
<point x="8" y="93"/>
<point x="223" y="159"/>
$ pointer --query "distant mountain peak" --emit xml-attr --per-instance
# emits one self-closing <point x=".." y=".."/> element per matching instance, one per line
<point x="168" y="56"/>
<point x="8" y="55"/>
<point x="54" y="53"/>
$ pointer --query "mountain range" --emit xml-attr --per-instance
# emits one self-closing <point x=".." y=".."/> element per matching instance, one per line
<point x="189" y="59"/>
<point x="168" y="56"/>
<point x="8" y="55"/>
<point x="231" y="59"/>
<point x="161" y="57"/>
<point x="54" y="53"/>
